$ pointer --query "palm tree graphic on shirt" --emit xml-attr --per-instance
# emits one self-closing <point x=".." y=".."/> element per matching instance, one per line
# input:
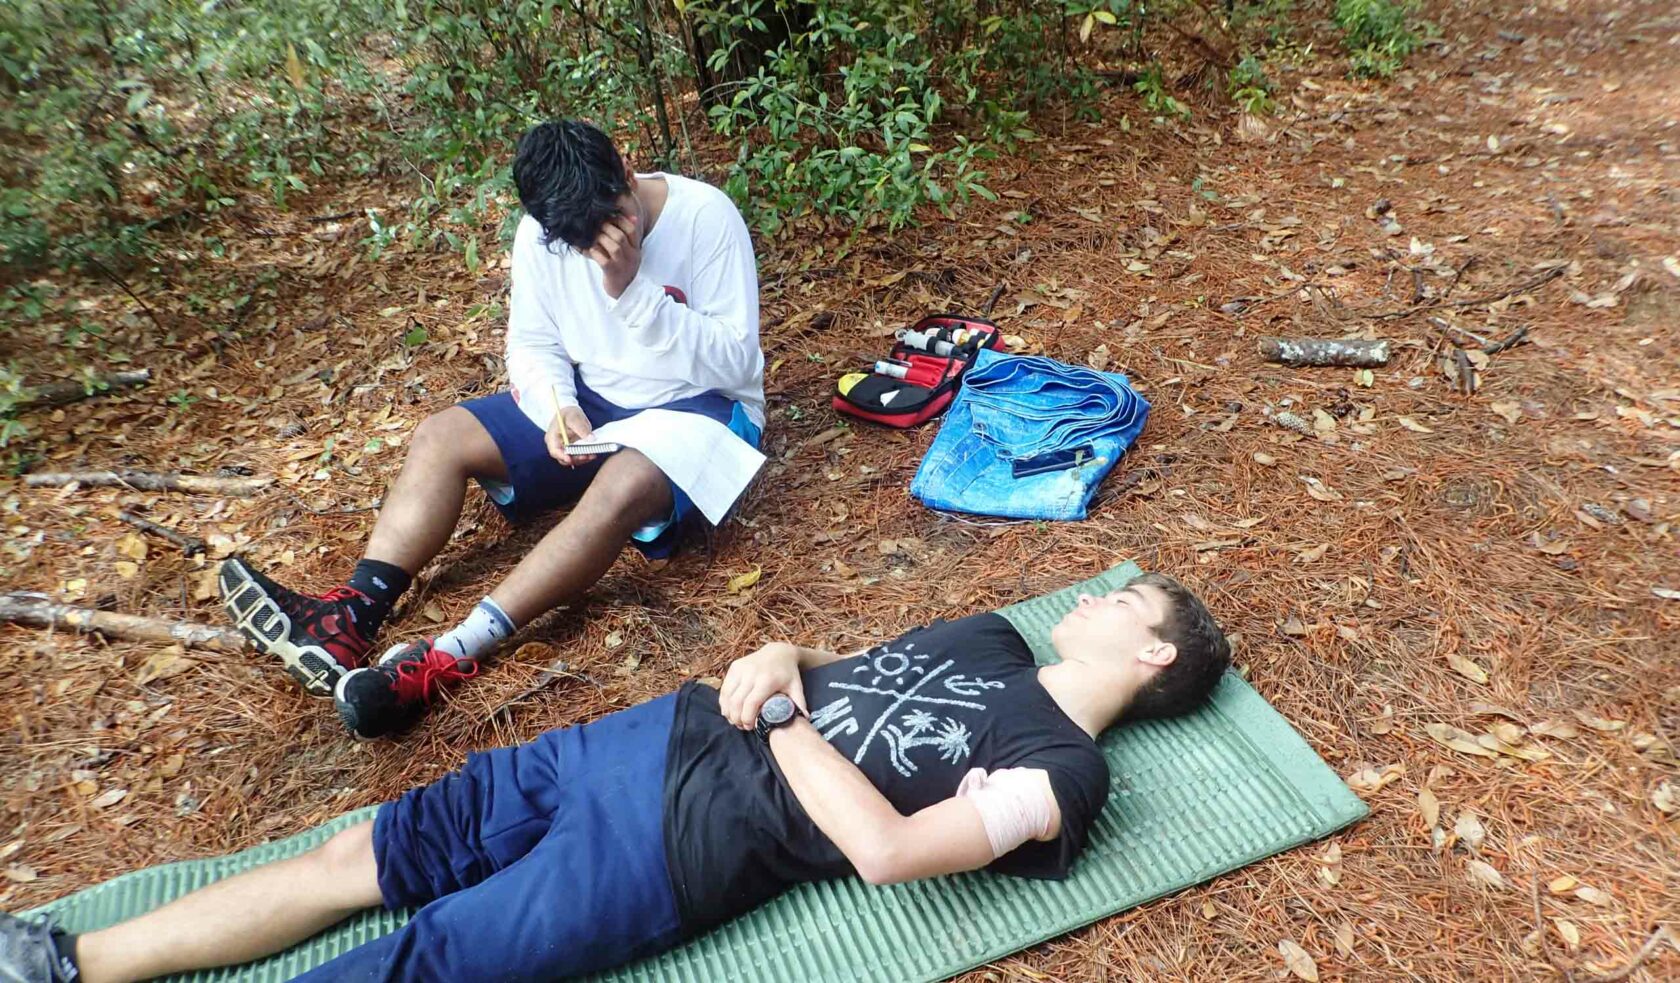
<point x="902" y="676"/>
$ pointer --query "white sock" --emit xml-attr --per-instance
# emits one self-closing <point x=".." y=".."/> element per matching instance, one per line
<point x="487" y="627"/>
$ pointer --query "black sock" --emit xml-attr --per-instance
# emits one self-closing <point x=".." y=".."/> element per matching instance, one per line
<point x="64" y="969"/>
<point x="381" y="583"/>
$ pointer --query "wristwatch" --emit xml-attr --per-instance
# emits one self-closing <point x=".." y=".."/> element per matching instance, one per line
<point x="778" y="711"/>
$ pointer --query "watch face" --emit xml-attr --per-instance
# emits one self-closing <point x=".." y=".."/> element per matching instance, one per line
<point x="777" y="710"/>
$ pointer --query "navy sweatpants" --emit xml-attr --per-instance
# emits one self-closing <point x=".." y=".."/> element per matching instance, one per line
<point x="532" y="862"/>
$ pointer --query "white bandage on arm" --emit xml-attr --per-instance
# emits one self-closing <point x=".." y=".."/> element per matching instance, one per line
<point x="1016" y="805"/>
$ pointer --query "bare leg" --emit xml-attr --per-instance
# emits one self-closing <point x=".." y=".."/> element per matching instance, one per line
<point x="242" y="917"/>
<point x="627" y="492"/>
<point x="424" y="503"/>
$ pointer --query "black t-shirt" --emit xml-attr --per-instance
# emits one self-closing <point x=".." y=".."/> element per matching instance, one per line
<point x="915" y="714"/>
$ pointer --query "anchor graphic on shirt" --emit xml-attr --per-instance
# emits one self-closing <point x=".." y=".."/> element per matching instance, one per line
<point x="903" y="676"/>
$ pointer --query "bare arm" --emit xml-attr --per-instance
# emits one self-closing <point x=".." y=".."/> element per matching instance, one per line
<point x="883" y="845"/>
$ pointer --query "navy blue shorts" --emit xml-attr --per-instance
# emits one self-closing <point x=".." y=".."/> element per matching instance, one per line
<point x="532" y="862"/>
<point x="538" y="484"/>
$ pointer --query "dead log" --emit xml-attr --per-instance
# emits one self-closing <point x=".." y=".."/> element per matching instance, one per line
<point x="1353" y="352"/>
<point x="151" y="481"/>
<point x="40" y="611"/>
<point x="60" y="393"/>
<point x="190" y="545"/>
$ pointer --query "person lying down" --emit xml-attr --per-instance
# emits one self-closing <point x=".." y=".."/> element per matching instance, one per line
<point x="947" y="749"/>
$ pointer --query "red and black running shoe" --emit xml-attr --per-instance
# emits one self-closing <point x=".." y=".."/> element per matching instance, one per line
<point x="390" y="696"/>
<point x="314" y="637"/>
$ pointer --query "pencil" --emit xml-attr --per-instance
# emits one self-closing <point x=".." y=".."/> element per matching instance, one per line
<point x="559" y="415"/>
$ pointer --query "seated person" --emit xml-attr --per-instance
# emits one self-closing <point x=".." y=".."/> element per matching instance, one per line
<point x="630" y="292"/>
<point x="945" y="750"/>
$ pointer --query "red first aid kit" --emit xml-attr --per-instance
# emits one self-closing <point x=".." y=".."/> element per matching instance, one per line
<point x="919" y="378"/>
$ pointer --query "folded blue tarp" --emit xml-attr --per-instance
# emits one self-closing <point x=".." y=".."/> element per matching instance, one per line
<point x="1026" y="408"/>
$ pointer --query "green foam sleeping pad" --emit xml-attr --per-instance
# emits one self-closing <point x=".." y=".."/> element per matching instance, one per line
<point x="1192" y="798"/>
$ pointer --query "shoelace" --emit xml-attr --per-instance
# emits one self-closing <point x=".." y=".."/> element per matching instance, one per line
<point x="343" y="594"/>
<point x="424" y="679"/>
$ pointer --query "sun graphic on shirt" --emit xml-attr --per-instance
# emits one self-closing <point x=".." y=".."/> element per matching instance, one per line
<point x="893" y="665"/>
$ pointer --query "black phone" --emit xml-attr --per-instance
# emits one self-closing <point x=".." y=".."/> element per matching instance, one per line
<point x="1061" y="460"/>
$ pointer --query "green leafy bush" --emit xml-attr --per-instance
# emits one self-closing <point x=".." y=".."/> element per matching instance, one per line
<point x="1379" y="34"/>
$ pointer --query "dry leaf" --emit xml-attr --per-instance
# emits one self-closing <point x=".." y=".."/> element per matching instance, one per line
<point x="1298" y="961"/>
<point x="1261" y="457"/>
<point x="294" y="66"/>
<point x="1320" y="491"/>
<point x="843" y="571"/>
<point x="1344" y="938"/>
<point x="1507" y="732"/>
<point x="1485" y="873"/>
<point x="19" y="874"/>
<point x="1600" y="723"/>
<point x="110" y="798"/>
<point x="127" y="569"/>
<point x="1458" y="740"/>
<point x="1382" y="724"/>
<point x="1562" y="885"/>
<point x="1512" y="412"/>
<point x="1555" y="728"/>
<point x="614" y="639"/>
<point x="1470" y="830"/>
<point x="132" y="546"/>
<point x="163" y="665"/>
<point x="1209" y="911"/>
<point x="1412" y="425"/>
<point x="1665" y="799"/>
<point x="433" y="612"/>
<point x="1368" y="780"/>
<point x="1592" y="895"/>
<point x="1466" y="668"/>
<point x="1293" y="627"/>
<point x="1313" y="555"/>
<point x="1429" y="807"/>
<point x="1098" y="359"/>
<point x="1567" y="931"/>
<point x="741" y="582"/>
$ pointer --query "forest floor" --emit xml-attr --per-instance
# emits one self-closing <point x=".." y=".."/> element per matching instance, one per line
<point x="1502" y="561"/>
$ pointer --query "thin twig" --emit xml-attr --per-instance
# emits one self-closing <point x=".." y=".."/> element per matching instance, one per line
<point x="1517" y="337"/>
<point x="556" y="671"/>
<point x="190" y="545"/>
<point x="1524" y="287"/>
<point x="300" y="503"/>
<point x="1645" y="952"/>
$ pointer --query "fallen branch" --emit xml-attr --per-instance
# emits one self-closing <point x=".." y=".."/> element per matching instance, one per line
<point x="60" y="393"/>
<point x="1325" y="351"/>
<point x="40" y="611"/>
<point x="190" y="545"/>
<point x="151" y="481"/>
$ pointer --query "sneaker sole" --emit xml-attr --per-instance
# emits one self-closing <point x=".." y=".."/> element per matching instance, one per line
<point x="258" y="618"/>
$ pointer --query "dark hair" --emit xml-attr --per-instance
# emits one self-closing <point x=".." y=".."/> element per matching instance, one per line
<point x="1204" y="653"/>
<point x="569" y="177"/>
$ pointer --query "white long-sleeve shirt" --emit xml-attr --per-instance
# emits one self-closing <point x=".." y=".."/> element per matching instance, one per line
<point x="645" y="348"/>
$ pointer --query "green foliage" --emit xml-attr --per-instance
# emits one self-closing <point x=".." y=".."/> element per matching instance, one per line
<point x="1250" y="87"/>
<point x="12" y="393"/>
<point x="1379" y="34"/>
<point x="1156" y="98"/>
<point x="118" y="119"/>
